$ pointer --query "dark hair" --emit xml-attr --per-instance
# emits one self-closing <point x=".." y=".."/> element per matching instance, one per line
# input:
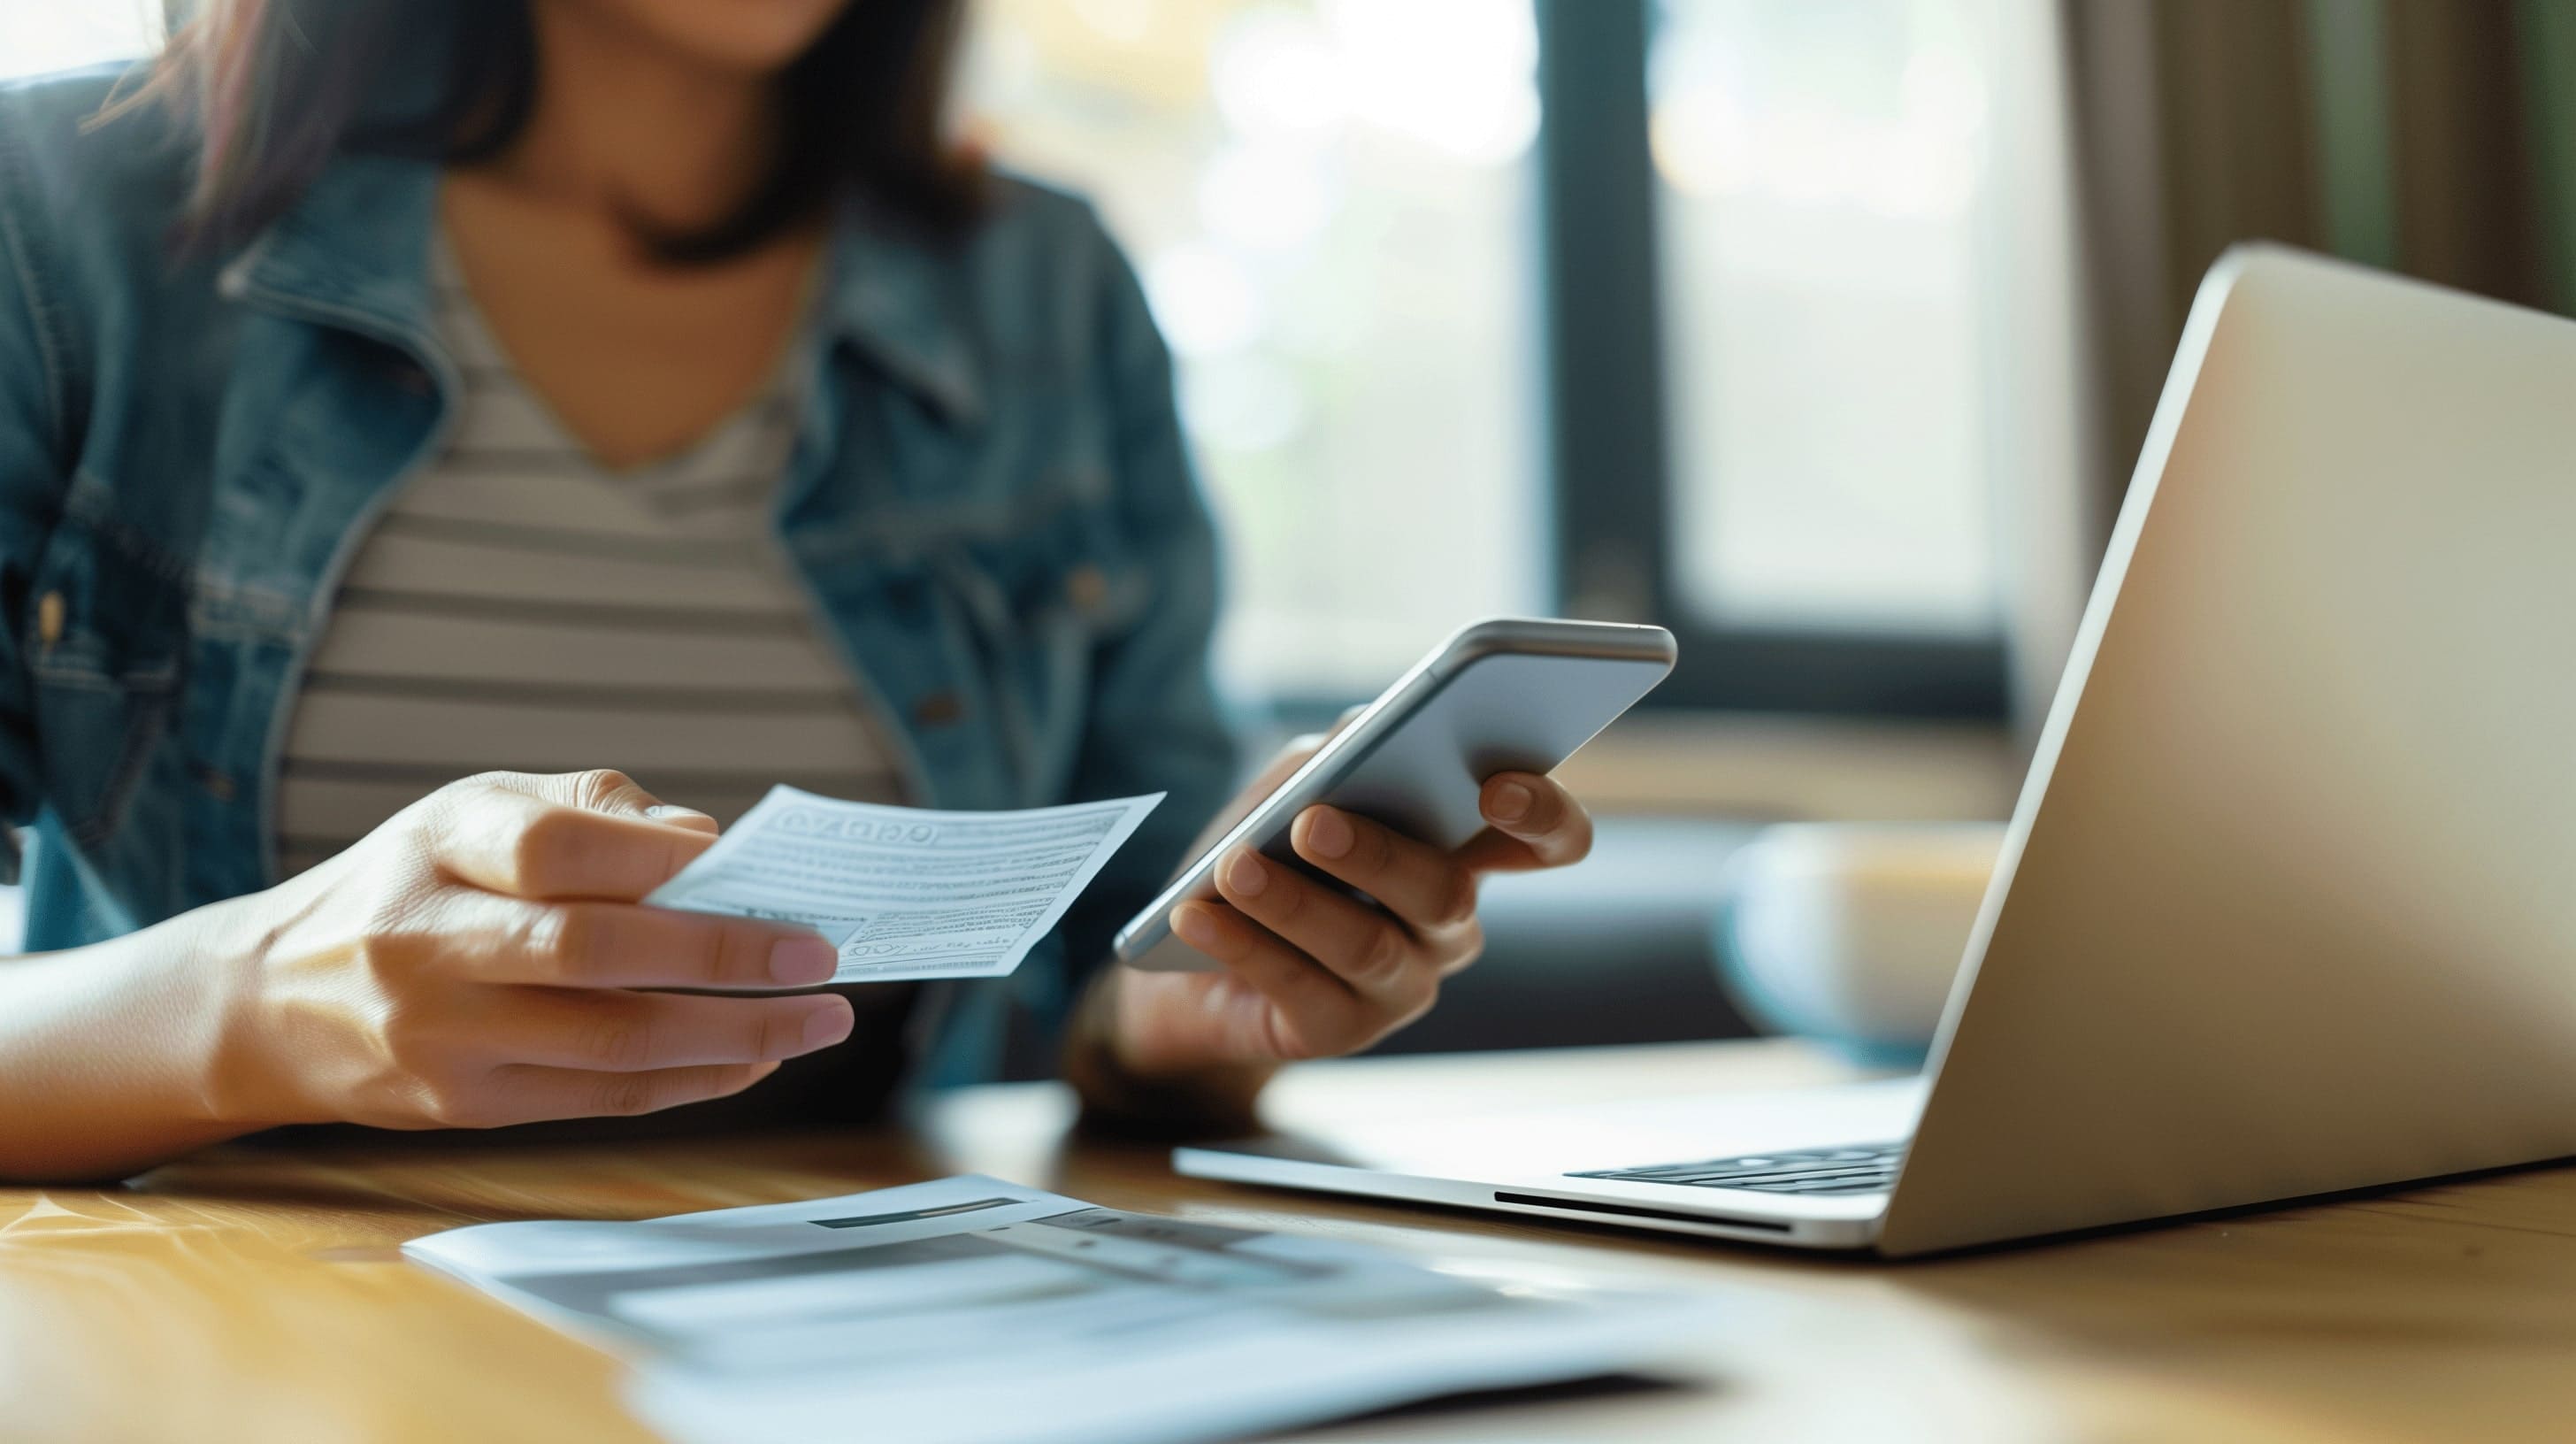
<point x="276" y="88"/>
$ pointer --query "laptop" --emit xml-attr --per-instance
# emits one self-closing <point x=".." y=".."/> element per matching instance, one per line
<point x="2288" y="904"/>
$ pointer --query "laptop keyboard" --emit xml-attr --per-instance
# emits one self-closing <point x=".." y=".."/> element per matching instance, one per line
<point x="1855" y="1168"/>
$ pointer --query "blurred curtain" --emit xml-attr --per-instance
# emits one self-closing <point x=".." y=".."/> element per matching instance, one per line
<point x="2434" y="137"/>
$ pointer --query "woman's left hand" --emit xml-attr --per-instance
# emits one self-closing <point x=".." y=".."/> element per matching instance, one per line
<point x="1309" y="971"/>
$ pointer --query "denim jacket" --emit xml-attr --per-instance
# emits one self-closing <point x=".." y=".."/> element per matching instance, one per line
<point x="989" y="503"/>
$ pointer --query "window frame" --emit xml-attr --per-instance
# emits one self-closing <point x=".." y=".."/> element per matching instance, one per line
<point x="1608" y="461"/>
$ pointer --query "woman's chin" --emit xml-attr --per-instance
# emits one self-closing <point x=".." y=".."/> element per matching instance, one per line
<point x="746" y="36"/>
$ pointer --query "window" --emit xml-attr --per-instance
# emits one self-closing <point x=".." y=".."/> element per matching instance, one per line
<point x="1809" y="269"/>
<point x="1715" y="345"/>
<point x="41" y="35"/>
<point x="1819" y="169"/>
<point x="1329" y="205"/>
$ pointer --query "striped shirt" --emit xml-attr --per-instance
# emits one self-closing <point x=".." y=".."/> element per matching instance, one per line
<point x="521" y="606"/>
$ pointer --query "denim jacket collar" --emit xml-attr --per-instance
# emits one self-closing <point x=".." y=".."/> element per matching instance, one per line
<point x="891" y="298"/>
<point x="353" y="252"/>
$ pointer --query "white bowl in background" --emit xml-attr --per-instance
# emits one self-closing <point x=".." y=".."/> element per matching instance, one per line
<point x="1852" y="932"/>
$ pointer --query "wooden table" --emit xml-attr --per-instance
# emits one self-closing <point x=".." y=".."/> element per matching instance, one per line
<point x="255" y="1294"/>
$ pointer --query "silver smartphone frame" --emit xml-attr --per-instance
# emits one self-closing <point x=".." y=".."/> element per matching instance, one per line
<point x="1378" y="723"/>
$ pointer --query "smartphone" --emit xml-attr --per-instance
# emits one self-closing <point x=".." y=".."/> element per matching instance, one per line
<point x="1511" y="694"/>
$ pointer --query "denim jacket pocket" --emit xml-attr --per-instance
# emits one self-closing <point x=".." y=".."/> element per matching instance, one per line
<point x="1041" y="602"/>
<point x="103" y="644"/>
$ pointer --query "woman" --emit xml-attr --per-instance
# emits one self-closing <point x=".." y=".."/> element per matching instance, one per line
<point x="521" y="388"/>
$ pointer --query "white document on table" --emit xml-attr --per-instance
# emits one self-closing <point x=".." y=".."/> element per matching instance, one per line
<point x="906" y="893"/>
<point x="973" y="1311"/>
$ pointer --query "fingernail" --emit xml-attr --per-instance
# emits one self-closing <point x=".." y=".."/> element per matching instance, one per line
<point x="1510" y="803"/>
<point x="827" y="1026"/>
<point x="1329" y="835"/>
<point x="1195" y="927"/>
<point x="1246" y="874"/>
<point x="802" y="960"/>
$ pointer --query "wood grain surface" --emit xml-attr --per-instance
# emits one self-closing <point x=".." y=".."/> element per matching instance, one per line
<point x="254" y="1292"/>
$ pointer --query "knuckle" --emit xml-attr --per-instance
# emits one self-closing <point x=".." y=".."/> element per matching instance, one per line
<point x="474" y="1110"/>
<point x="410" y="1041"/>
<point x="722" y="954"/>
<point x="396" y="913"/>
<point x="1228" y="939"/>
<point x="1471" y="946"/>
<point x="1421" y="998"/>
<point x="1281" y="1038"/>
<point x="622" y="1095"/>
<point x="1353" y="1030"/>
<point x="1383" y="953"/>
<point x="618" y="1042"/>
<point x="451" y="1104"/>
<point x="1456" y="907"/>
<point x="1372" y="848"/>
<point x="558" y="937"/>
<point x="400" y="967"/>
<point x="542" y="846"/>
<point x="386" y="951"/>
<point x="600" y="787"/>
<point x="446" y="813"/>
<point x="1286" y="899"/>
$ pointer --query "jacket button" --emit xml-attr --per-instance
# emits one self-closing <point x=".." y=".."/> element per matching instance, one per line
<point x="219" y="786"/>
<point x="1087" y="588"/>
<point x="49" y="618"/>
<point x="939" y="709"/>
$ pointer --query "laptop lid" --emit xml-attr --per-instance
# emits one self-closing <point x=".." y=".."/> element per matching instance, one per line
<point x="2289" y="902"/>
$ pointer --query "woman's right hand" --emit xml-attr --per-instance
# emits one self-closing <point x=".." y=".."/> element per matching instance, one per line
<point x="482" y="959"/>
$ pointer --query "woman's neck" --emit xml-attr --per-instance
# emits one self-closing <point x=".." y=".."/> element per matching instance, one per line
<point x="623" y="126"/>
